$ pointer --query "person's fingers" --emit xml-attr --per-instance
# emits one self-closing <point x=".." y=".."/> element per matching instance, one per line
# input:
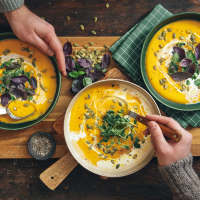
<point x="56" y="46"/>
<point x="42" y="45"/>
<point x="158" y="139"/>
<point x="166" y="121"/>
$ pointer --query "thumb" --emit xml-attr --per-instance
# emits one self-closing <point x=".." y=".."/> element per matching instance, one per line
<point x="157" y="137"/>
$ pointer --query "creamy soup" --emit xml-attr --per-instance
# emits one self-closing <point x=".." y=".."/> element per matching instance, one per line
<point x="173" y="49"/>
<point x="101" y="130"/>
<point x="27" y="81"/>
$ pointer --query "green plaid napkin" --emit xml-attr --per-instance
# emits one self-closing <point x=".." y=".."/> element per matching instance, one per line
<point x="126" y="52"/>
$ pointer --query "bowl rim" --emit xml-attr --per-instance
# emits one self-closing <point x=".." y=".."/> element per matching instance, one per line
<point x="164" y="101"/>
<point x="75" y="153"/>
<point x="23" y="125"/>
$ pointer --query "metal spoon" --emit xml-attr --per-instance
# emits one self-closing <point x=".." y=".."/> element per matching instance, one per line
<point x="6" y="111"/>
<point x="169" y="133"/>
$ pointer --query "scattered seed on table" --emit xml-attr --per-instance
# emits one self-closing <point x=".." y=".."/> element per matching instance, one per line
<point x="93" y="32"/>
<point x="82" y="27"/>
<point x="68" y="18"/>
<point x="95" y="19"/>
<point x="107" y="5"/>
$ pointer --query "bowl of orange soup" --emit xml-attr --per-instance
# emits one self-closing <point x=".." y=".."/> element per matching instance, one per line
<point x="170" y="61"/>
<point x="29" y="83"/>
<point x="99" y="133"/>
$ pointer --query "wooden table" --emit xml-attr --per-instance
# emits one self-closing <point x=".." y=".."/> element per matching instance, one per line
<point x="19" y="178"/>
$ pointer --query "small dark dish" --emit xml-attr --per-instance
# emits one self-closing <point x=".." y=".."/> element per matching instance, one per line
<point x="41" y="145"/>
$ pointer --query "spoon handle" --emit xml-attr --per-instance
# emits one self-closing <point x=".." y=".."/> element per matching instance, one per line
<point x="167" y="132"/>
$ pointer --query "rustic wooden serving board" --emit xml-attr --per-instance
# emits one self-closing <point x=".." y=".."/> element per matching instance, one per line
<point x="13" y="144"/>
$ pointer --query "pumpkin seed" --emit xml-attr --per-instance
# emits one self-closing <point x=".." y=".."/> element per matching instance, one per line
<point x="134" y="156"/>
<point x="43" y="88"/>
<point x="107" y="5"/>
<point x="44" y="71"/>
<point x="6" y="52"/>
<point x="161" y="60"/>
<point x="193" y="38"/>
<point x="117" y="166"/>
<point x="188" y="31"/>
<point x="76" y="45"/>
<point x="95" y="19"/>
<point x="174" y="35"/>
<point x="165" y="86"/>
<point x="93" y="32"/>
<point x="162" y="81"/>
<point x="91" y="43"/>
<point x="160" y="37"/>
<point x="85" y="46"/>
<point x="50" y="100"/>
<point x="26" y="49"/>
<point x="82" y="27"/>
<point x="169" y="29"/>
<point x="39" y="75"/>
<point x="112" y="161"/>
<point x="34" y="62"/>
<point x="68" y="18"/>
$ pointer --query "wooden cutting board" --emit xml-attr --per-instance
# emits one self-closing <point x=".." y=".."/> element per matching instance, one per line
<point x="13" y="144"/>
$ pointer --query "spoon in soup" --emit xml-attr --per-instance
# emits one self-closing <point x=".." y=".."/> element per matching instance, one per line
<point x="18" y="110"/>
<point x="169" y="133"/>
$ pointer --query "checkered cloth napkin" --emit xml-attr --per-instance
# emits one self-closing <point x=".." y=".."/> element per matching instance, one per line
<point x="126" y="52"/>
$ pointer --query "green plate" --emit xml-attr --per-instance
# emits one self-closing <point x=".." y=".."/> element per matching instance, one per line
<point x="4" y="36"/>
<point x="171" y="104"/>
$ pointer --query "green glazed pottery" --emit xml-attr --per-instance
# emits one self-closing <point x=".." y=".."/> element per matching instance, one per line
<point x="17" y="126"/>
<point x="171" y="104"/>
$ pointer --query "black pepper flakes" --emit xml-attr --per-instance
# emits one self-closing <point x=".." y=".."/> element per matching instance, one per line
<point x="41" y="145"/>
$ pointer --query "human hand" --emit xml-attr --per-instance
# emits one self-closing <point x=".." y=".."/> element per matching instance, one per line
<point x="168" y="152"/>
<point x="32" y="29"/>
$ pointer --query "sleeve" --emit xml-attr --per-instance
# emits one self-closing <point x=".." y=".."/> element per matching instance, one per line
<point x="182" y="179"/>
<point x="8" y="5"/>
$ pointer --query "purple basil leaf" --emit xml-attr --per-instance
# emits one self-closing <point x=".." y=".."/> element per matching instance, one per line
<point x="16" y="92"/>
<point x="96" y="75"/>
<point x="185" y="62"/>
<point x="24" y="95"/>
<point x="77" y="85"/>
<point x="33" y="82"/>
<point x="5" y="98"/>
<point x="197" y="52"/>
<point x="21" y="87"/>
<point x="67" y="48"/>
<point x="69" y="63"/>
<point x="192" y="69"/>
<point x="105" y="60"/>
<point x="180" y="51"/>
<point x="19" y="79"/>
<point x="180" y="76"/>
<point x="85" y="63"/>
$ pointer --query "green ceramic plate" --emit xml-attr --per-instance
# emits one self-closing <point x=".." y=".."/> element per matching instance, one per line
<point x="4" y="36"/>
<point x="185" y="107"/>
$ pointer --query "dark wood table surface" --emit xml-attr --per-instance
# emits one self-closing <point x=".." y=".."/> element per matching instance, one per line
<point x="19" y="178"/>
